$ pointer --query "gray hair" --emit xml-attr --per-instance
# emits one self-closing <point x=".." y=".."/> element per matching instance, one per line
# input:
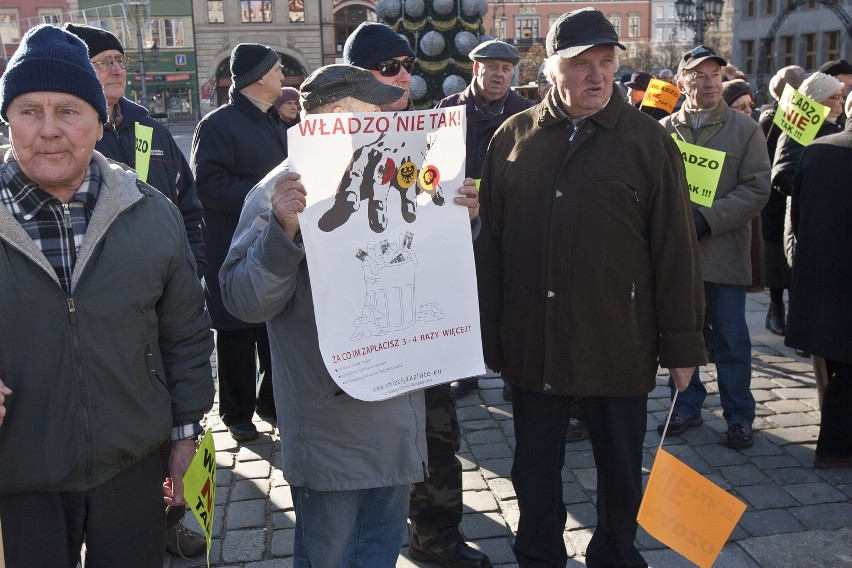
<point x="552" y="63"/>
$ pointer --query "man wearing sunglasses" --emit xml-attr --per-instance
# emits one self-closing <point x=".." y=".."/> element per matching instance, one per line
<point x="488" y="102"/>
<point x="436" y="504"/>
<point x="168" y="171"/>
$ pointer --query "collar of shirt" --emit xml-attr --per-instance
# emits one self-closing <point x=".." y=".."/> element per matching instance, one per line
<point x="24" y="196"/>
<point x="262" y="105"/>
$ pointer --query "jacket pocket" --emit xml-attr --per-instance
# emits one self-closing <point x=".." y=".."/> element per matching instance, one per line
<point x="151" y="364"/>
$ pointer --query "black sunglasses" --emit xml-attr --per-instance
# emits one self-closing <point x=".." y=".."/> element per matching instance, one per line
<point x="390" y="67"/>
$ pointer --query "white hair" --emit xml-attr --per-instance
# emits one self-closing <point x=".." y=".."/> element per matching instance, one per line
<point x="552" y="63"/>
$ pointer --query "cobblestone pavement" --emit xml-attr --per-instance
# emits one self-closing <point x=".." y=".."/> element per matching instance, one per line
<point x="797" y="516"/>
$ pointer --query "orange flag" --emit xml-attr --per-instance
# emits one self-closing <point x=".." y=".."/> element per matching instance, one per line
<point x="686" y="512"/>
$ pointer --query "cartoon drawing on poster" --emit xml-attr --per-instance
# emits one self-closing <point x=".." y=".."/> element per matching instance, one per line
<point x="394" y="313"/>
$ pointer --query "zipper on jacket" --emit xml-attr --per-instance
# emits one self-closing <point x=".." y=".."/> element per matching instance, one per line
<point x="66" y="215"/>
<point x="72" y="311"/>
<point x="82" y="391"/>
<point x="573" y="134"/>
<point x="633" y="312"/>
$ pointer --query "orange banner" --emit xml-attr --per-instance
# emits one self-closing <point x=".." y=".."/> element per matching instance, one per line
<point x="661" y="94"/>
<point x="686" y="512"/>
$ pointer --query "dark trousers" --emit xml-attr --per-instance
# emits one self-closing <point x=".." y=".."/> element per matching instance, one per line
<point x="435" y="507"/>
<point x="243" y="363"/>
<point x="617" y="430"/>
<point x="121" y="521"/>
<point x="835" y="431"/>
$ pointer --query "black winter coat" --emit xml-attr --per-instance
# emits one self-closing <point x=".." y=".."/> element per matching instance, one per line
<point x="820" y="293"/>
<point x="481" y="126"/>
<point x="233" y="148"/>
<point x="168" y="170"/>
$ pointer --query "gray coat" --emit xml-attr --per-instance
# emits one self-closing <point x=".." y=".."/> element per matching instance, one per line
<point x="742" y="192"/>
<point x="331" y="442"/>
<point x="99" y="375"/>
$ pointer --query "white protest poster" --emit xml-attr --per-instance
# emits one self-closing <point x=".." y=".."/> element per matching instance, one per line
<point x="389" y="253"/>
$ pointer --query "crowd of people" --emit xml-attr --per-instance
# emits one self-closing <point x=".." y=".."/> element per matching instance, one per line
<point x="592" y="273"/>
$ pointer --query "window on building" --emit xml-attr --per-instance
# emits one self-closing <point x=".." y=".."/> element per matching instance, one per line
<point x="9" y="30"/>
<point x="255" y="11"/>
<point x="633" y="26"/>
<point x="153" y="35"/>
<point x="215" y="11"/>
<point x="296" y="9"/>
<point x="789" y="43"/>
<point x="658" y="12"/>
<point x="750" y="9"/>
<point x="50" y="16"/>
<point x="526" y="29"/>
<point x="658" y="34"/>
<point x="809" y="41"/>
<point x="748" y="56"/>
<point x="616" y="23"/>
<point x="832" y="45"/>
<point x="173" y="32"/>
<point x="345" y="22"/>
<point x="770" y="8"/>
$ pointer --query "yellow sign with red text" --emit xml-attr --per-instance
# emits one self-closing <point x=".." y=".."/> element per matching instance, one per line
<point x="686" y="512"/>
<point x="199" y="486"/>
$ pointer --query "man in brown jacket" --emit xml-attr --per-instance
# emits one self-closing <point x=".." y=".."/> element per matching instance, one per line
<point x="589" y="279"/>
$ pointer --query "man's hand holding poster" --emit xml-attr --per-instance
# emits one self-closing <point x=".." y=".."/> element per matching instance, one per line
<point x="390" y="254"/>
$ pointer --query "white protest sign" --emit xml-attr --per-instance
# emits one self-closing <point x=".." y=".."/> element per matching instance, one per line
<point x="390" y="254"/>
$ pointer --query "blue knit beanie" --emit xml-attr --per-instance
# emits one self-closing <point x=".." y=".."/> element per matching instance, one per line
<point x="371" y="43"/>
<point x="51" y="59"/>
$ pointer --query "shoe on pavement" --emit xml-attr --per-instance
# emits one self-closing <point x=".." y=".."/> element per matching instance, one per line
<point x="507" y="392"/>
<point x="739" y="436"/>
<point x="832" y="463"/>
<point x="456" y="555"/>
<point x="464" y="387"/>
<point x="577" y="430"/>
<point x="243" y="431"/>
<point x="185" y="543"/>
<point x="680" y="422"/>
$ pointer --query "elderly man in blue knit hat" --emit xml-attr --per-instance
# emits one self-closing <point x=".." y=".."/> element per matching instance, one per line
<point x="105" y="342"/>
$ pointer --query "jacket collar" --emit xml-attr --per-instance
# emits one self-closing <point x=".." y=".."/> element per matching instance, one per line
<point x="243" y="103"/>
<point x="550" y="115"/>
<point x="118" y="193"/>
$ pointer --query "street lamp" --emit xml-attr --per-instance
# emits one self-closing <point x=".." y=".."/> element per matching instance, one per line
<point x="139" y="9"/>
<point x="698" y="15"/>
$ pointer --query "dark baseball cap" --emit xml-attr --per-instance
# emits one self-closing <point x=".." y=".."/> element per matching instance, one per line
<point x="575" y="32"/>
<point x="696" y="56"/>
<point x="336" y="82"/>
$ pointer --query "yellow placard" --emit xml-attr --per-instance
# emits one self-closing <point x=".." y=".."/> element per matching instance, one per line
<point x="686" y="512"/>
<point x="799" y="116"/>
<point x="661" y="94"/>
<point x="199" y="486"/>
<point x="143" y="150"/>
<point x="476" y="181"/>
<point x="703" y="170"/>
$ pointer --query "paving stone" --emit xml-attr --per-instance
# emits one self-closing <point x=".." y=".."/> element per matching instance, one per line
<point x="252" y="470"/>
<point x="766" y="496"/>
<point x="476" y="412"/>
<point x="746" y="474"/>
<point x="493" y="435"/>
<point x="500" y="412"/>
<point x="479" y="501"/>
<point x="502" y="488"/>
<point x="251" y="453"/>
<point x="784" y="406"/>
<point x="499" y="551"/>
<point x="718" y="455"/>
<point x="244" y="546"/>
<point x="835" y="476"/>
<point x="793" y="393"/>
<point x="573" y="493"/>
<point x="492" y="451"/>
<point x="577" y="456"/>
<point x="773" y="521"/>
<point x="587" y="478"/>
<point x="278" y="563"/>
<point x="224" y="477"/>
<point x="484" y="525"/>
<point x="244" y="514"/>
<point x="825" y="516"/>
<point x="282" y="542"/>
<point x="283" y="520"/>
<point x="280" y="499"/>
<point x="501" y="467"/>
<point x="472" y="426"/>
<point x="580" y="515"/>
<point x="794" y="435"/>
<point x="222" y="494"/>
<point x="248" y="489"/>
<point x="813" y="493"/>
<point x="224" y="459"/>
<point x="796" y="419"/>
<point x="812" y="548"/>
<point x="790" y="475"/>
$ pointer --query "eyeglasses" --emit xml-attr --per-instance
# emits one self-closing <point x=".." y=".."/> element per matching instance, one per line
<point x="106" y="62"/>
<point x="390" y="67"/>
<point x="744" y="107"/>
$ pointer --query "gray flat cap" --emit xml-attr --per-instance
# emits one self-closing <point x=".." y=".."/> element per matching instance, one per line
<point x="336" y="82"/>
<point x="495" y="49"/>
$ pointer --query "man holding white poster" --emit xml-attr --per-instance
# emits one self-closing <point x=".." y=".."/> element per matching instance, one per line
<point x="345" y="459"/>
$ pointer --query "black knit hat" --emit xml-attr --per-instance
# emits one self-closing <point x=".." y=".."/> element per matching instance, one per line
<point x="734" y="89"/>
<point x="250" y="62"/>
<point x="371" y="43"/>
<point x="51" y="59"/>
<point x="96" y="39"/>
